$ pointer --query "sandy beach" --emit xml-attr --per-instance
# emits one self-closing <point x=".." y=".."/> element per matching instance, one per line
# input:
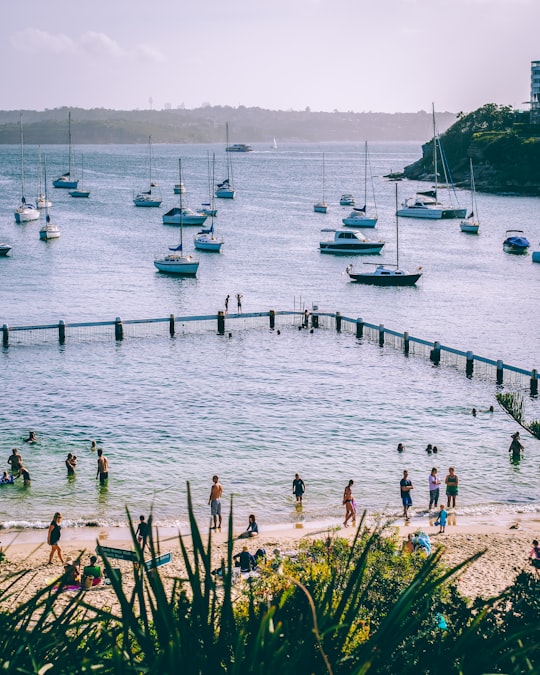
<point x="506" y="543"/>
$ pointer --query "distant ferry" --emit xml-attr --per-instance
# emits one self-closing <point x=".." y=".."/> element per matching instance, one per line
<point x="239" y="147"/>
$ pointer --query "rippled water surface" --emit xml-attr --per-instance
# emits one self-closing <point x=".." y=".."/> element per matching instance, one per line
<point x="256" y="407"/>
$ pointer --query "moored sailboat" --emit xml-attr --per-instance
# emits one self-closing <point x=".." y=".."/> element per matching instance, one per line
<point x="50" y="230"/>
<point x="322" y="206"/>
<point x="359" y="216"/>
<point x="80" y="192"/>
<point x="471" y="225"/>
<point x="389" y="274"/>
<point x="225" y="189"/>
<point x="26" y="212"/>
<point x="147" y="197"/>
<point x="176" y="262"/>
<point x="42" y="202"/>
<point x="205" y="240"/>
<point x="66" y="180"/>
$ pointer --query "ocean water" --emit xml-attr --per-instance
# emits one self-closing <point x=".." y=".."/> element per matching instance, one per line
<point x="256" y="407"/>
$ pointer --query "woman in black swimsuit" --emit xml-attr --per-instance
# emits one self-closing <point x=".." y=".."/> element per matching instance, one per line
<point x="348" y="501"/>
<point x="53" y="537"/>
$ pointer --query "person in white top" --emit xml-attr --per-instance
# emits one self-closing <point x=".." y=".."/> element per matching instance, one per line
<point x="434" y="485"/>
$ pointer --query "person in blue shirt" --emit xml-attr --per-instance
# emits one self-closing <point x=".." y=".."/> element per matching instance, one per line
<point x="406" y="486"/>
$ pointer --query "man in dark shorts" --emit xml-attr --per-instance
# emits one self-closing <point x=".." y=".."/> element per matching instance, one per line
<point x="215" y="502"/>
<point x="142" y="532"/>
<point x="406" y="486"/>
<point x="103" y="467"/>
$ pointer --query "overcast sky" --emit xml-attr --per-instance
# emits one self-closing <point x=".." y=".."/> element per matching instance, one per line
<point x="361" y="55"/>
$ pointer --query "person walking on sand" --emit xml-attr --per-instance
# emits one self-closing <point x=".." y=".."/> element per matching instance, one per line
<point x="53" y="537"/>
<point x="15" y="460"/>
<point x="239" y="297"/>
<point x="405" y="486"/>
<point x="215" y="502"/>
<point x="451" y="482"/>
<point x="298" y="487"/>
<point x="142" y="532"/>
<point x="434" y="488"/>
<point x="348" y="502"/>
<point x="102" y="467"/>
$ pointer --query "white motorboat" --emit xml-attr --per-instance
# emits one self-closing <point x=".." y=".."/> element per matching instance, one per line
<point x="66" y="180"/>
<point x="426" y="204"/>
<point x="178" y="188"/>
<point x="347" y="242"/>
<point x="471" y="225"/>
<point x="347" y="200"/>
<point x="239" y="147"/>
<point x="389" y="274"/>
<point x="359" y="217"/>
<point x="322" y="206"/>
<point x="176" y="262"/>
<point x="26" y="212"/>
<point x="152" y="196"/>
<point x="225" y="189"/>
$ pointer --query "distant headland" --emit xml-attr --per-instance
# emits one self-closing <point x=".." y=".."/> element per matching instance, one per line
<point x="207" y="125"/>
<point x="504" y="147"/>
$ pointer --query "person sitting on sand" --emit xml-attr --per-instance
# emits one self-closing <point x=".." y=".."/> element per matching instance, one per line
<point x="72" y="574"/>
<point x="244" y="560"/>
<point x="252" y="528"/>
<point x="92" y="574"/>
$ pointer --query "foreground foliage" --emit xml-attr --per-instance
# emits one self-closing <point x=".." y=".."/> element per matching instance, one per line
<point x="334" y="607"/>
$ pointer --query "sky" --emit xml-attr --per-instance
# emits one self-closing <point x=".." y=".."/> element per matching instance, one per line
<point x="347" y="55"/>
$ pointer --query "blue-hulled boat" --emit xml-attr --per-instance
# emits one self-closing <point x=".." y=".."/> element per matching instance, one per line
<point x="516" y="242"/>
<point x="65" y="180"/>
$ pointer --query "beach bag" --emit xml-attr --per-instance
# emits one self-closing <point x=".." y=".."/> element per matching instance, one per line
<point x="437" y="522"/>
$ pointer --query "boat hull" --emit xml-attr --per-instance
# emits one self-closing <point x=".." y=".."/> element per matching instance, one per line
<point x="47" y="233"/>
<point x="149" y="203"/>
<point x="320" y="208"/>
<point x="360" y="222"/>
<point x="515" y="250"/>
<point x="173" y="217"/>
<point x="350" y="249"/>
<point x="177" y="265"/>
<point x="225" y="194"/>
<point x="469" y="228"/>
<point x="431" y="213"/>
<point x="65" y="183"/>
<point x="4" y="250"/>
<point x="26" y="214"/>
<point x="535" y="256"/>
<point x="385" y="277"/>
<point x="43" y="203"/>
<point x="213" y="245"/>
<point x="79" y="193"/>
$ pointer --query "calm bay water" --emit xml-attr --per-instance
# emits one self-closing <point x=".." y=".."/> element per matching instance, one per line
<point x="258" y="407"/>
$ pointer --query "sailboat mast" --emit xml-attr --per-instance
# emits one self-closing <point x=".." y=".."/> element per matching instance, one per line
<point x="150" y="161"/>
<point x="435" y="167"/>
<point x="69" y="143"/>
<point x="323" y="180"/>
<point x="22" y="158"/>
<point x="397" y="230"/>
<point x="365" y="176"/>
<point x="180" y="201"/>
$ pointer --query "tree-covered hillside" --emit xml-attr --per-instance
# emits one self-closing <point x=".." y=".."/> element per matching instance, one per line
<point x="504" y="147"/>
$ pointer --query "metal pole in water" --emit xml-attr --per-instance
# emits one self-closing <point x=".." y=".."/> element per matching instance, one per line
<point x="406" y="343"/>
<point x="272" y="317"/>
<point x="5" y="335"/>
<point x="534" y="382"/>
<point x="61" y="331"/>
<point x="118" y="329"/>
<point x="221" y="323"/>
<point x="469" y="366"/>
<point x="171" y="325"/>
<point x="338" y="322"/>
<point x="359" y="328"/>
<point x="381" y="335"/>
<point x="500" y="372"/>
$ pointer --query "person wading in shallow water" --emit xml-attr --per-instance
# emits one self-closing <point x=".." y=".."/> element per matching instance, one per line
<point x="348" y="502"/>
<point x="103" y="467"/>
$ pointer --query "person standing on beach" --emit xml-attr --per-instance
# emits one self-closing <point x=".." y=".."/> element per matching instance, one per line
<point x="405" y="486"/>
<point x="102" y="467"/>
<point x="16" y="461"/>
<point x="142" y="532"/>
<point x="215" y="502"/>
<point x="348" y="502"/>
<point x="434" y="488"/>
<point x="451" y="482"/>
<point x="239" y="297"/>
<point x="53" y="537"/>
<point x="298" y="487"/>
<point x="441" y="520"/>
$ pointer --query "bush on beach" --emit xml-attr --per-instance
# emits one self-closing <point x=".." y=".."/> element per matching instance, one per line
<point x="336" y="607"/>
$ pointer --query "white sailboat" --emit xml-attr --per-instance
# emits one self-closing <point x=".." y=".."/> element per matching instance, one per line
<point x="26" y="211"/>
<point x="80" y="191"/>
<point x="205" y="240"/>
<point x="274" y="144"/>
<point x="426" y="204"/>
<point x="387" y="275"/>
<point x="65" y="180"/>
<point x="50" y="230"/>
<point x="183" y="215"/>
<point x="147" y="197"/>
<point x="225" y="189"/>
<point x="41" y="202"/>
<point x="359" y="217"/>
<point x="322" y="206"/>
<point x="471" y="225"/>
<point x="176" y="262"/>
